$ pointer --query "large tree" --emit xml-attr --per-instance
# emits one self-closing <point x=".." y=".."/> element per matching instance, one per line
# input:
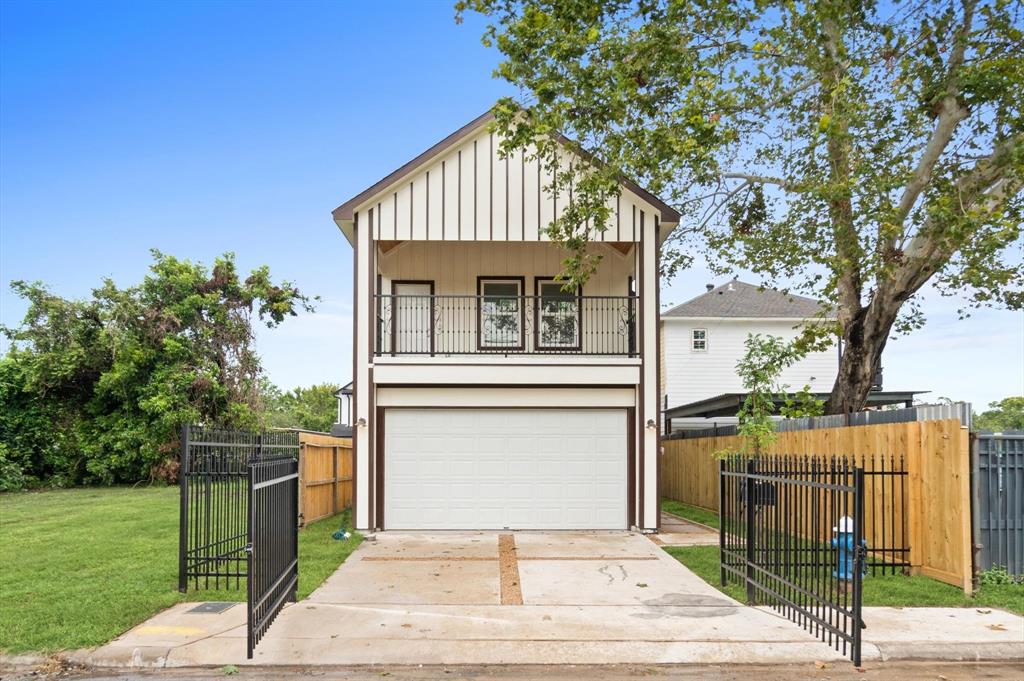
<point x="312" y="408"/>
<point x="846" y="149"/>
<point x="95" y="390"/>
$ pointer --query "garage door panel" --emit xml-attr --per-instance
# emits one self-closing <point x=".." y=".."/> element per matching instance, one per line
<point x="497" y="469"/>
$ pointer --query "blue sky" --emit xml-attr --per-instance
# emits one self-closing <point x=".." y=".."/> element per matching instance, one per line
<point x="204" y="127"/>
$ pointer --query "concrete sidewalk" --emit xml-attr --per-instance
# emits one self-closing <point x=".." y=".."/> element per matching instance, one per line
<point x="676" y="531"/>
<point x="559" y="598"/>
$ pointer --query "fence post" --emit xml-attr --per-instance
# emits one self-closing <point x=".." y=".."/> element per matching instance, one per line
<point x="751" y="529"/>
<point x="721" y="519"/>
<point x="859" y="557"/>
<point x="302" y="482"/>
<point x="183" y="513"/>
<point x="334" y="476"/>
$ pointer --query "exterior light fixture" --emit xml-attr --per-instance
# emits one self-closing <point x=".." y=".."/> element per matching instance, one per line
<point x="361" y="422"/>
<point x="651" y="424"/>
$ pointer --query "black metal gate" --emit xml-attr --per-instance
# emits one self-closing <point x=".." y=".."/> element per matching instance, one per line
<point x="239" y="517"/>
<point x="792" y="532"/>
<point x="273" y="541"/>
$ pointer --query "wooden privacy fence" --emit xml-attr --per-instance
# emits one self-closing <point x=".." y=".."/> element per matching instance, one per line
<point x="933" y="509"/>
<point x="325" y="475"/>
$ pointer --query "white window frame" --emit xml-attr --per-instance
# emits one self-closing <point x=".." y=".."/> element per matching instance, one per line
<point x="517" y="314"/>
<point x="694" y="340"/>
<point x="571" y="302"/>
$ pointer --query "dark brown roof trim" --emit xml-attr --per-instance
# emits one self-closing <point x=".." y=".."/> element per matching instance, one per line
<point x="346" y="210"/>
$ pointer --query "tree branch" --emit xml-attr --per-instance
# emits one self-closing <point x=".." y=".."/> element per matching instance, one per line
<point x="984" y="189"/>
<point x="760" y="179"/>
<point x="951" y="112"/>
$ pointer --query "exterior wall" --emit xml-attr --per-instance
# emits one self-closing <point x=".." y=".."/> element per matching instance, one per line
<point x="505" y="397"/>
<point x="649" y="444"/>
<point x="690" y="376"/>
<point x="455" y="266"/>
<point x="508" y="371"/>
<point x="470" y="193"/>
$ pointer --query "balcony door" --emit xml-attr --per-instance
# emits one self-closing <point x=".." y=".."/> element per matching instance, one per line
<point x="412" y="321"/>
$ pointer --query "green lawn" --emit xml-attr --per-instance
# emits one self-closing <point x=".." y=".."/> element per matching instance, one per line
<point x="81" y="566"/>
<point x="694" y="513"/>
<point x="892" y="590"/>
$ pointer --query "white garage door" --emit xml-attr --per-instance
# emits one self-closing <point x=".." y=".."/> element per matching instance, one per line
<point x="493" y="469"/>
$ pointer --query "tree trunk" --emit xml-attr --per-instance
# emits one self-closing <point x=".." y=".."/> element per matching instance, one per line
<point x="864" y="339"/>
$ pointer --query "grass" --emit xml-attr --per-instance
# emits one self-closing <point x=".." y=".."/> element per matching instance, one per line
<point x="888" y="590"/>
<point x="694" y="513"/>
<point x="84" y="565"/>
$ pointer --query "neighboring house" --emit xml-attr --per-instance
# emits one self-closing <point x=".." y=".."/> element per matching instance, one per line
<point x="702" y="340"/>
<point x="343" y="424"/>
<point x="485" y="397"/>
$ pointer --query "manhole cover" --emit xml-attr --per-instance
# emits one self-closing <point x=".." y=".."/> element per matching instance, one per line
<point x="212" y="607"/>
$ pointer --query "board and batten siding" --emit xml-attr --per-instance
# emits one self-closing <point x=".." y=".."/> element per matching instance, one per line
<point x="689" y="376"/>
<point x="454" y="268"/>
<point x="471" y="193"/>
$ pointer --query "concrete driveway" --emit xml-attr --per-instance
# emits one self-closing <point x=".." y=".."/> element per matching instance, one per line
<point x="487" y="598"/>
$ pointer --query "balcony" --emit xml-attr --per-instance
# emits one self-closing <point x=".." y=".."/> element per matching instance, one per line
<point x="506" y="325"/>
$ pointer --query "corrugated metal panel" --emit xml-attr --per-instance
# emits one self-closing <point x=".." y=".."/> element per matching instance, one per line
<point x="999" y="491"/>
<point x="924" y="412"/>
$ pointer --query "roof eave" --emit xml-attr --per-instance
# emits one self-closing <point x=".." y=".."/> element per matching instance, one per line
<point x="669" y="217"/>
<point x="812" y="318"/>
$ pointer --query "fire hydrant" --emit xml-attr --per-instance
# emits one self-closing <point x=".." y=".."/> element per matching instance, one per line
<point x="848" y="548"/>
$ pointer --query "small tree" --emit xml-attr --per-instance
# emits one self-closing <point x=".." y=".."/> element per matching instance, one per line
<point x="760" y="369"/>
<point x="312" y="408"/>
<point x="1004" y="414"/>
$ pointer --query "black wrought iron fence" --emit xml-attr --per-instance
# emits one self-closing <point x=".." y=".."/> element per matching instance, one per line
<point x="214" y="512"/>
<point x="543" y="325"/>
<point x="273" y="541"/>
<point x="792" y="532"/>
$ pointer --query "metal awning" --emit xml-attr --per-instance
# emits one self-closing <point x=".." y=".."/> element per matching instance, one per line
<point x="728" y="404"/>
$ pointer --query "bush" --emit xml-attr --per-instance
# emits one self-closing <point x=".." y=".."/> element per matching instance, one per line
<point x="11" y="477"/>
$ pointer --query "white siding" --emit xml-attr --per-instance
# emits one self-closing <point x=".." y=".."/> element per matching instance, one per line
<point x="454" y="267"/>
<point x="475" y="194"/>
<point x="690" y="376"/>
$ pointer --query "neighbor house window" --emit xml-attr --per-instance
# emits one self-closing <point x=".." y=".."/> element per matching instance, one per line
<point x="699" y="340"/>
<point x="558" y="316"/>
<point x="501" y="313"/>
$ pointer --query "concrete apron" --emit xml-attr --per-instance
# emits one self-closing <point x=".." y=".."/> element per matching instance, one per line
<point x="570" y="598"/>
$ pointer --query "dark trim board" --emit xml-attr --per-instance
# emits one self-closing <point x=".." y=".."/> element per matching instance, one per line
<point x="642" y="435"/>
<point x="379" y="455"/>
<point x="602" y="386"/>
<point x="371" y="388"/>
<point x="631" y="467"/>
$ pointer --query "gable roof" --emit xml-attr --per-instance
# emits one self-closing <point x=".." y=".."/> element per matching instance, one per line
<point x="739" y="299"/>
<point x="346" y="211"/>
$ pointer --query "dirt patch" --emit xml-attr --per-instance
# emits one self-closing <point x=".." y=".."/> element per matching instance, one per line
<point x="508" y="565"/>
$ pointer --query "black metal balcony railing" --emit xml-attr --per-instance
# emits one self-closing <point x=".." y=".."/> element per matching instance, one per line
<point x="537" y="325"/>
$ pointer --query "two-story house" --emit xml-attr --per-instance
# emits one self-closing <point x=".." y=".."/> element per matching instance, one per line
<point x="485" y="396"/>
<point x="703" y="339"/>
